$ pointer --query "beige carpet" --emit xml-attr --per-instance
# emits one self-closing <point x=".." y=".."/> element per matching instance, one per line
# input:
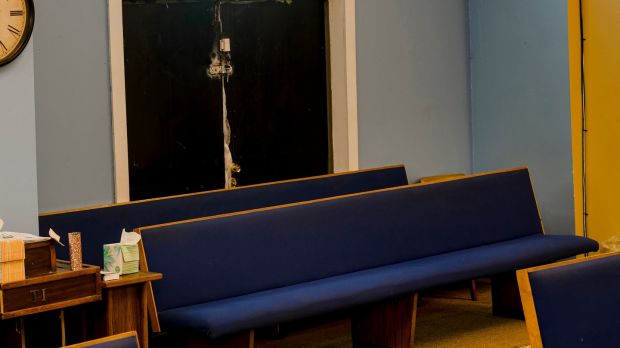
<point x="446" y="318"/>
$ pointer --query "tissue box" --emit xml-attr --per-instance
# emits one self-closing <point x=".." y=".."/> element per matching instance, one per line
<point x="121" y="258"/>
<point x="12" y="255"/>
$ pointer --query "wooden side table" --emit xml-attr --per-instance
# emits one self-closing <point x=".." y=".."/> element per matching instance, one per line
<point x="42" y="294"/>
<point x="124" y="306"/>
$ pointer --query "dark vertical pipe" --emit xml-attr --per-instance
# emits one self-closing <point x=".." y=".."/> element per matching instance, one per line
<point x="584" y="129"/>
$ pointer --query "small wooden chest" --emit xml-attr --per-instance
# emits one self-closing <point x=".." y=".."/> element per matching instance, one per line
<point x="63" y="288"/>
<point x="40" y="258"/>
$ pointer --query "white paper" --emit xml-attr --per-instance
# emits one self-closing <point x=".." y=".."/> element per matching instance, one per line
<point x="55" y="236"/>
<point x="110" y="276"/>
<point x="130" y="238"/>
<point x="26" y="237"/>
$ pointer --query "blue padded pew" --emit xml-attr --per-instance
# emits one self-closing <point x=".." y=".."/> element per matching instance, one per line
<point x="103" y="225"/>
<point x="573" y="303"/>
<point x="233" y="273"/>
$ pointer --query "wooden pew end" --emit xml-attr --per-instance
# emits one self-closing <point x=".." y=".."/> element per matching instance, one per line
<point x="389" y="323"/>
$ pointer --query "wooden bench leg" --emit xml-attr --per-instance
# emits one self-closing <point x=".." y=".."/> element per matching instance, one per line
<point x="506" y="297"/>
<point x="386" y="324"/>
<point x="240" y="340"/>
<point x="272" y="332"/>
<point x="472" y="290"/>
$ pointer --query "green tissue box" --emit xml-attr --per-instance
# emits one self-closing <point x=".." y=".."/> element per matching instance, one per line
<point x="121" y="258"/>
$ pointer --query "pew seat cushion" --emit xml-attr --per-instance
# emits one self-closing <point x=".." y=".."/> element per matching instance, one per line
<point x="258" y="309"/>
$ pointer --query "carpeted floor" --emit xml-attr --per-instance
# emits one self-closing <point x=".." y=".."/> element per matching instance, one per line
<point x="446" y="318"/>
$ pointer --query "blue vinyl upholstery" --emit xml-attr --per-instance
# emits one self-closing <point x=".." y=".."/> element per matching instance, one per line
<point x="103" y="225"/>
<point x="283" y="263"/>
<point x="282" y="304"/>
<point x="578" y="305"/>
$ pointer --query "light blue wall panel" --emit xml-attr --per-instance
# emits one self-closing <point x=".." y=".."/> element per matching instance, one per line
<point x="413" y="85"/>
<point x="74" y="119"/>
<point x="520" y="98"/>
<point x="18" y="171"/>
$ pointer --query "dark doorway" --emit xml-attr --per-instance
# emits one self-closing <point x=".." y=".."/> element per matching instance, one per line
<point x="276" y="96"/>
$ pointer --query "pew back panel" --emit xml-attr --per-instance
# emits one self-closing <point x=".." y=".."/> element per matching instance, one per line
<point x="573" y="303"/>
<point x="102" y="225"/>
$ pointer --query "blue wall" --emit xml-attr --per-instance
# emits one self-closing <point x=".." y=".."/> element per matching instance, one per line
<point x="413" y="90"/>
<point x="18" y="171"/>
<point x="520" y="98"/>
<point x="74" y="123"/>
<point x="413" y="97"/>
<point x="413" y="85"/>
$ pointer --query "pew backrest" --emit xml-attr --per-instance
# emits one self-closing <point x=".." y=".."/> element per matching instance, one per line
<point x="574" y="303"/>
<point x="102" y="225"/>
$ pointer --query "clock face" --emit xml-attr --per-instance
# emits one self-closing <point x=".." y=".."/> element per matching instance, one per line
<point x="16" y="20"/>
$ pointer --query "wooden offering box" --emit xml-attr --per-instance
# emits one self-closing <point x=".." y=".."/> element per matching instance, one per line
<point x="63" y="288"/>
<point x="40" y="258"/>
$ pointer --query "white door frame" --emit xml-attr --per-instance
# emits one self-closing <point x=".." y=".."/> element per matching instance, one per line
<point x="343" y="78"/>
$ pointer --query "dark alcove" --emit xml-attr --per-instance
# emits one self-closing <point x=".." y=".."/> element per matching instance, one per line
<point x="276" y="97"/>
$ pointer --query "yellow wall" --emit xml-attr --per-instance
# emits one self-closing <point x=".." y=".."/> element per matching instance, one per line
<point x="602" y="77"/>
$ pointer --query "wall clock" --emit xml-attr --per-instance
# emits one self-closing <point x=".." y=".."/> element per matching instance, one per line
<point x="16" y="23"/>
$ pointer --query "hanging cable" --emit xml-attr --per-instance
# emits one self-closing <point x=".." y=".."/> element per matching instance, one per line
<point x="584" y="129"/>
<point x="221" y="68"/>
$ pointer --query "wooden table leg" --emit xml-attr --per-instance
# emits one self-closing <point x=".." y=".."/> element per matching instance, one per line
<point x="22" y="332"/>
<point x="126" y="310"/>
<point x="123" y="309"/>
<point x="63" y="336"/>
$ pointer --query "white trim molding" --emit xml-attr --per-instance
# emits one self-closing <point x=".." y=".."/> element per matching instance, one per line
<point x="119" y="106"/>
<point x="343" y="74"/>
<point x="343" y="86"/>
